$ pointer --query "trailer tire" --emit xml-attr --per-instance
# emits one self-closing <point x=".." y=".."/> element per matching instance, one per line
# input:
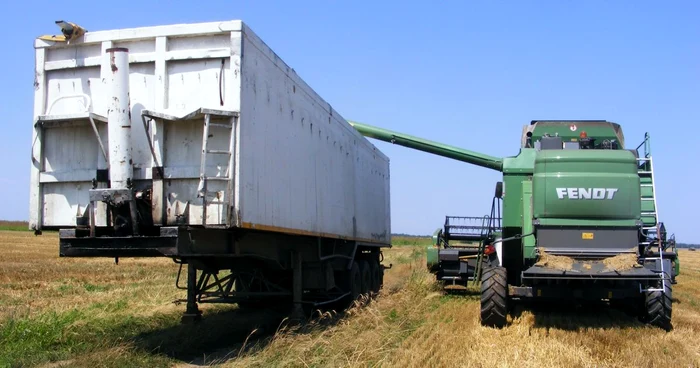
<point x="376" y="271"/>
<point x="658" y="308"/>
<point x="355" y="284"/>
<point x="494" y="297"/>
<point x="366" y="274"/>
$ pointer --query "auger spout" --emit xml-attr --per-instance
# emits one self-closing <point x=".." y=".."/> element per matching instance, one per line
<point x="429" y="146"/>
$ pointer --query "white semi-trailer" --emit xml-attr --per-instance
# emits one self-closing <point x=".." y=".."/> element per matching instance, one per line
<point x="197" y="142"/>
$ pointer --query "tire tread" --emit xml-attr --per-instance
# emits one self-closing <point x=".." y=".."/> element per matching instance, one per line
<point x="494" y="297"/>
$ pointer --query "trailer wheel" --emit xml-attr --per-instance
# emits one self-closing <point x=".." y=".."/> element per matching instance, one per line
<point x="494" y="297"/>
<point x="376" y="270"/>
<point x="355" y="281"/>
<point x="366" y="273"/>
<point x="658" y="308"/>
<point x="349" y="280"/>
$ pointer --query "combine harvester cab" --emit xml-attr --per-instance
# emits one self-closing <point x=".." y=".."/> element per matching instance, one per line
<point x="198" y="143"/>
<point x="580" y="222"/>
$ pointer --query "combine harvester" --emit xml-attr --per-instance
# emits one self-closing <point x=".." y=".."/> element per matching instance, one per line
<point x="198" y="143"/>
<point x="580" y="222"/>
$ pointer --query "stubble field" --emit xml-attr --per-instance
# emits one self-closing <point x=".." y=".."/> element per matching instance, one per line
<point x="90" y="312"/>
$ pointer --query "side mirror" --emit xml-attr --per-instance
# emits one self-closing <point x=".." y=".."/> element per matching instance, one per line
<point x="499" y="189"/>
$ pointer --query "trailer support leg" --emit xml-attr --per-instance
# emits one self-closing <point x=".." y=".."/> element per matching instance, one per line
<point x="297" y="286"/>
<point x="192" y="312"/>
<point x="134" y="217"/>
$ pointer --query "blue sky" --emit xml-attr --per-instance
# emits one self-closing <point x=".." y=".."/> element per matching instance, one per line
<point x="464" y="73"/>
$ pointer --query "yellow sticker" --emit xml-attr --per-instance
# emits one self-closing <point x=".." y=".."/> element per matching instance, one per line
<point x="587" y="236"/>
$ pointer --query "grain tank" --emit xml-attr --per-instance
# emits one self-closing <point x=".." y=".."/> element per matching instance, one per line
<point x="197" y="142"/>
<point x="580" y="221"/>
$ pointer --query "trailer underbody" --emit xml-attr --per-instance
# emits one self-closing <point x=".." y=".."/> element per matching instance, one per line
<point x="248" y="267"/>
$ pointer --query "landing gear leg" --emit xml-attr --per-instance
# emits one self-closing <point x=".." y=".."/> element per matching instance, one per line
<point x="192" y="312"/>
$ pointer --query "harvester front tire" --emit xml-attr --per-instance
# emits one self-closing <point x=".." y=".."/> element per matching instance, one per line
<point x="658" y="308"/>
<point x="494" y="297"/>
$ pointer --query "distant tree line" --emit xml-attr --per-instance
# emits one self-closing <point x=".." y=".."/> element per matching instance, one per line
<point x="687" y="245"/>
<point x="410" y="235"/>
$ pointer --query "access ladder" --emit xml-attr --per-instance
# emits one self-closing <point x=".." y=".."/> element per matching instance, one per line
<point x="652" y="228"/>
<point x="645" y="168"/>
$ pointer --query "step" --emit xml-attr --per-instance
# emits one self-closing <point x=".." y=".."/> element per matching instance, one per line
<point x="455" y="278"/>
<point x="220" y="125"/>
<point x="217" y="178"/>
<point x="220" y="152"/>
<point x="648" y="220"/>
<point x="648" y="207"/>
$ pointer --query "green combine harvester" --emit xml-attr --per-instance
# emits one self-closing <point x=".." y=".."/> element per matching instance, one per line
<point x="579" y="222"/>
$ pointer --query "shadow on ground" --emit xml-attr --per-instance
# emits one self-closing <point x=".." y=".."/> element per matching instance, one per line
<point x="224" y="335"/>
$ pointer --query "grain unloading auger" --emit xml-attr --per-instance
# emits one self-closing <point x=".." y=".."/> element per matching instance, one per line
<point x="579" y="222"/>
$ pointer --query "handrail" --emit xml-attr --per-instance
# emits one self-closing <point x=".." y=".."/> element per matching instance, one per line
<point x="86" y="105"/>
<point x="647" y="145"/>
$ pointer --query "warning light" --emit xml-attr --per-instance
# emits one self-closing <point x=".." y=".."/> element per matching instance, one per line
<point x="583" y="135"/>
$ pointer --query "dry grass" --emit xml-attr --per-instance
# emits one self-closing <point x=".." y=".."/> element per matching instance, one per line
<point x="34" y="280"/>
<point x="417" y="326"/>
<point x="84" y="311"/>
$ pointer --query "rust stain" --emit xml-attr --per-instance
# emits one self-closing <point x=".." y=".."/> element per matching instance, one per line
<point x="112" y="63"/>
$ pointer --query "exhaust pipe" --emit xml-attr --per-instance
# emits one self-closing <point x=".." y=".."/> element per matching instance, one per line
<point x="119" y="120"/>
<point x="121" y="172"/>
